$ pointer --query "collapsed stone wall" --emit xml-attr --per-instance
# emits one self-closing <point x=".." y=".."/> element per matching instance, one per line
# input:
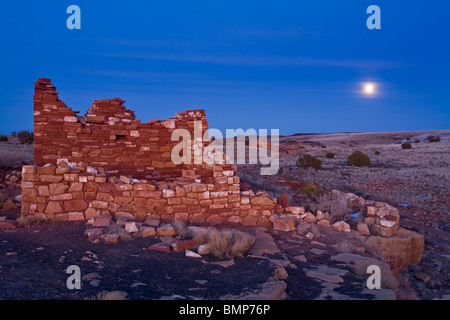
<point x="70" y="192"/>
<point x="78" y="160"/>
<point x="75" y="191"/>
<point x="109" y="136"/>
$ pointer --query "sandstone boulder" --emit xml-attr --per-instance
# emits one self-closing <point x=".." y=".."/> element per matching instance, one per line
<point x="404" y="248"/>
<point x="283" y="223"/>
<point x="341" y="226"/>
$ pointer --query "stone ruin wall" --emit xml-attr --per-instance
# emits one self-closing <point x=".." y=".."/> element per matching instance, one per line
<point x="107" y="162"/>
<point x="108" y="136"/>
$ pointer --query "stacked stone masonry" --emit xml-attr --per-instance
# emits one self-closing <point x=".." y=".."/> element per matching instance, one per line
<point x="70" y="192"/>
<point x="109" y="163"/>
<point x="108" y="136"/>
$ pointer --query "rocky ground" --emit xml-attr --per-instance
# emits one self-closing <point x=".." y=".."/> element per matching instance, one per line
<point x="34" y="261"/>
<point x="416" y="181"/>
<point x="280" y="265"/>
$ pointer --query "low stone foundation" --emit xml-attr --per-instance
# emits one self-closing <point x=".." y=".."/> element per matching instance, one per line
<point x="74" y="192"/>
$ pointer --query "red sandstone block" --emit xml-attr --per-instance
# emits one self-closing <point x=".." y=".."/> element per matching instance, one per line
<point x="34" y="200"/>
<point x="179" y="208"/>
<point x="63" y="196"/>
<point x="100" y="204"/>
<point x="89" y="196"/>
<point x="30" y="177"/>
<point x="193" y="208"/>
<point x="197" y="218"/>
<point x="214" y="219"/>
<point x="220" y="201"/>
<point x="186" y="200"/>
<point x="222" y="180"/>
<point x="123" y="199"/>
<point x="140" y="201"/>
<point x="172" y="201"/>
<point x="104" y="197"/>
<point x="183" y="245"/>
<point x="71" y="177"/>
<point x="159" y="247"/>
<point x="143" y="193"/>
<point x="76" y="205"/>
<point x="102" y="221"/>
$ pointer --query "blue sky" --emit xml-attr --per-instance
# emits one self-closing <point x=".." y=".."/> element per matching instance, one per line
<point x="297" y="66"/>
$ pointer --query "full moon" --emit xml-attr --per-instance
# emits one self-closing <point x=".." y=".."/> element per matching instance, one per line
<point x="369" y="88"/>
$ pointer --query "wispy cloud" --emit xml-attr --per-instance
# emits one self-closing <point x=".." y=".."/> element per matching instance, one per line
<point x="265" y="61"/>
<point x="262" y="33"/>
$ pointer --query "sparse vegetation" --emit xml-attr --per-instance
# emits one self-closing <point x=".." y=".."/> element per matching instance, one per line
<point x="258" y="182"/>
<point x="10" y="158"/>
<point x="182" y="230"/>
<point x="358" y="159"/>
<point x="406" y="145"/>
<point x="309" y="161"/>
<point x="25" y="137"/>
<point x="434" y="139"/>
<point x="336" y="206"/>
<point x="311" y="190"/>
<point x="377" y="153"/>
<point x="31" y="220"/>
<point x="3" y="138"/>
<point x="224" y="244"/>
<point x="323" y="146"/>
<point x="329" y="155"/>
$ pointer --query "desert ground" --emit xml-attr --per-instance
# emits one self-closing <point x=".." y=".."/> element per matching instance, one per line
<point x="416" y="181"/>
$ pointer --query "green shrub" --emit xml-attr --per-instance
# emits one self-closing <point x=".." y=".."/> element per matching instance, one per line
<point x="308" y="161"/>
<point x="323" y="146"/>
<point x="25" y="137"/>
<point x="330" y="155"/>
<point x="406" y="145"/>
<point x="434" y="139"/>
<point x="358" y="159"/>
<point x="3" y="138"/>
<point x="14" y="133"/>
<point x="311" y="190"/>
<point x="377" y="153"/>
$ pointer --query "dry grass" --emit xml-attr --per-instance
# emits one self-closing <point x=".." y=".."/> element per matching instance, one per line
<point x="259" y="182"/>
<point x="182" y="230"/>
<point x="418" y="178"/>
<point x="14" y="158"/>
<point x="333" y="204"/>
<point x="31" y="220"/>
<point x="224" y="244"/>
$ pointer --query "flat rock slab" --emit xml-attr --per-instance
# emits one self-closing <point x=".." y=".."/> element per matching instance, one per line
<point x="8" y="224"/>
<point x="159" y="247"/>
<point x="301" y="258"/>
<point x="264" y="244"/>
<point x="331" y="271"/>
<point x="333" y="278"/>
<point x="317" y="251"/>
<point x="183" y="245"/>
<point x="102" y="221"/>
